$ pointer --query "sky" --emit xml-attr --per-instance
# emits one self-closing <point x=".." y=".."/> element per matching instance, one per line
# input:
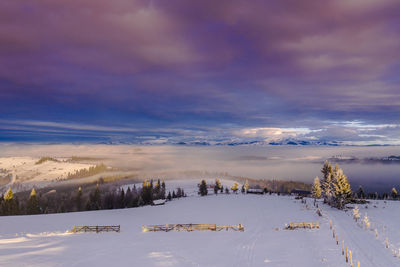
<point x="215" y="72"/>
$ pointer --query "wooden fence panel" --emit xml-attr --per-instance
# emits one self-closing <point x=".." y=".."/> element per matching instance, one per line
<point x="190" y="227"/>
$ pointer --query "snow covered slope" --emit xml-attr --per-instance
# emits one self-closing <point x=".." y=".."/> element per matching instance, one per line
<point x="41" y="240"/>
<point x="25" y="173"/>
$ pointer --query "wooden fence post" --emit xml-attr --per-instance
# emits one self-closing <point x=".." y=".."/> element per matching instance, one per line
<point x="351" y="259"/>
<point x="337" y="239"/>
<point x="342" y="247"/>
<point x="347" y="254"/>
<point x="387" y="242"/>
<point x="358" y="264"/>
<point x="330" y="224"/>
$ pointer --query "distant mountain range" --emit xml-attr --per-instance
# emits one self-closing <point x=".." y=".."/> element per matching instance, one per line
<point x="282" y="142"/>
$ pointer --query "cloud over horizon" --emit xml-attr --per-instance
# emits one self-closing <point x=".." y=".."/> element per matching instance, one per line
<point x="182" y="70"/>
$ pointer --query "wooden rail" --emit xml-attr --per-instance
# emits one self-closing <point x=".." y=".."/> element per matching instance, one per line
<point x="190" y="227"/>
<point x="295" y="225"/>
<point x="97" y="228"/>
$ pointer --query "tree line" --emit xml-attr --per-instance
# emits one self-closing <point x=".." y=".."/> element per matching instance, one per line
<point x="219" y="188"/>
<point x="98" y="197"/>
<point x="336" y="191"/>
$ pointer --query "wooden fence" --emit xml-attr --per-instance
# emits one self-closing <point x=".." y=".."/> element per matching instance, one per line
<point x="190" y="227"/>
<point x="295" y="225"/>
<point x="97" y="229"/>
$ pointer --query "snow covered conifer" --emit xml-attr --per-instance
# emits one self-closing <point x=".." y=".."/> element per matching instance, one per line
<point x="316" y="189"/>
<point x="342" y="190"/>
<point x="218" y="183"/>
<point x="217" y="186"/>
<point x="246" y="186"/>
<point x="327" y="182"/>
<point x="235" y="187"/>
<point x="162" y="192"/>
<point x="326" y="169"/>
<point x="394" y="193"/>
<point x="9" y="205"/>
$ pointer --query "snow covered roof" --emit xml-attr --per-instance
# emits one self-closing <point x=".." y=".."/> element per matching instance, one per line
<point x="159" y="202"/>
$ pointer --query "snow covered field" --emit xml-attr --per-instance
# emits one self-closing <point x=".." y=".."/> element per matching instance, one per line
<point x="41" y="240"/>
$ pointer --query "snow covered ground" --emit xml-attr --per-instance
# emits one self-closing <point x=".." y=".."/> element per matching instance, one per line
<point x="41" y="240"/>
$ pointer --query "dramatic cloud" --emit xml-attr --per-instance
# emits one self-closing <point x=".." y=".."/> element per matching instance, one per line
<point x="221" y="70"/>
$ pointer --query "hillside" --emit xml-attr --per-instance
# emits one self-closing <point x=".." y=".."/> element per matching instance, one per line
<point x="42" y="240"/>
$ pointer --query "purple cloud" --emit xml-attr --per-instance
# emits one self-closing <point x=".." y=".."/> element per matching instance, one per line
<point x="260" y="64"/>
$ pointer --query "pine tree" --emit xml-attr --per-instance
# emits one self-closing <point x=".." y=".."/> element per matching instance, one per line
<point x="157" y="190"/>
<point x="162" y="193"/>
<point x="128" y="198"/>
<point x="327" y="185"/>
<point x="217" y="186"/>
<point x="179" y="193"/>
<point x="394" y="193"/>
<point x="78" y="200"/>
<point x="203" y="188"/>
<point x="342" y="190"/>
<point x="10" y="206"/>
<point x="33" y="203"/>
<point x="147" y="192"/>
<point x="246" y="186"/>
<point x="94" y="202"/>
<point x="326" y="170"/>
<point x="9" y="194"/>
<point x="235" y="187"/>
<point x="121" y="199"/>
<point x="226" y="190"/>
<point x="360" y="192"/>
<point x="316" y="189"/>
<point x="169" y="197"/>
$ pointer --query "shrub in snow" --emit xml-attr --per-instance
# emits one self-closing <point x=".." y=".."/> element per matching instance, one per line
<point x="366" y="222"/>
<point x="356" y="213"/>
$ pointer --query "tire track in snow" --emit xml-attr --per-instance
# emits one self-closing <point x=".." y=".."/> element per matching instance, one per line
<point x="366" y="247"/>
